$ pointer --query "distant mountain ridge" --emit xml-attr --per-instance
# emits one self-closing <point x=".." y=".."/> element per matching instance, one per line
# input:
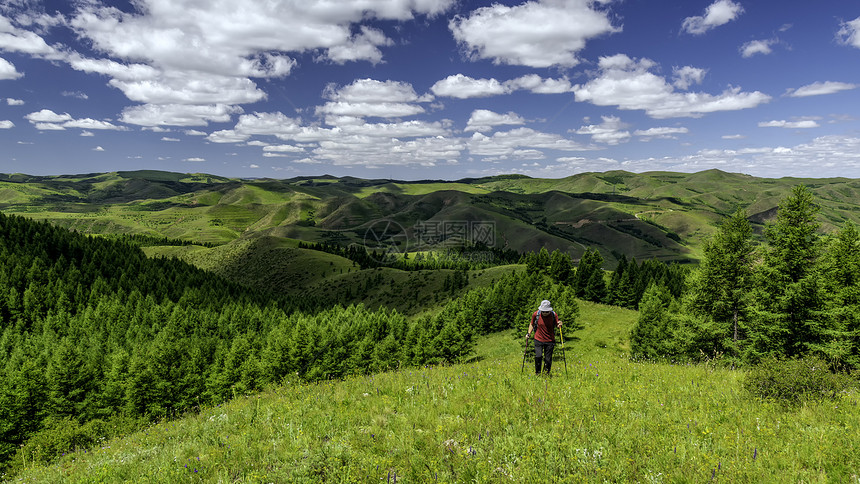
<point x="662" y="215"/>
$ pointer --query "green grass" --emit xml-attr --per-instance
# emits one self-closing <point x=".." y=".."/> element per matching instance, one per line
<point x="586" y="210"/>
<point x="604" y="420"/>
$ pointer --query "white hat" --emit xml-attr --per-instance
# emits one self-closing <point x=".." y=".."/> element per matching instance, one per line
<point x="545" y="306"/>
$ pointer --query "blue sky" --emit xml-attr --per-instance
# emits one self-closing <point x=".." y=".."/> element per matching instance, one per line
<point x="416" y="89"/>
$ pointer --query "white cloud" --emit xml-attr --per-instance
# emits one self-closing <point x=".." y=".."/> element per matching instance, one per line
<point x="363" y="46"/>
<point x="687" y="76"/>
<point x="194" y="132"/>
<point x="800" y="124"/>
<point x="734" y="136"/>
<point x="373" y="91"/>
<point x="718" y="13"/>
<point x="47" y="116"/>
<point x="165" y="138"/>
<point x="849" y="33"/>
<point x="486" y="120"/>
<point x="630" y="85"/>
<point x="754" y="47"/>
<point x="14" y="102"/>
<point x="6" y="124"/>
<point x="186" y="52"/>
<point x="75" y="94"/>
<point x="87" y="134"/>
<point x="284" y="149"/>
<point x="825" y="156"/>
<point x="14" y="39"/>
<point x="538" y="85"/>
<point x="611" y="131"/>
<point x="820" y="88"/>
<point x="540" y="33"/>
<point x="194" y="159"/>
<point x="8" y="71"/>
<point x="191" y="88"/>
<point x="463" y="87"/>
<point x="98" y="148"/>
<point x="49" y="120"/>
<point x="663" y="132"/>
<point x="504" y="143"/>
<point x="178" y="114"/>
<point x="382" y="110"/>
<point x="369" y="97"/>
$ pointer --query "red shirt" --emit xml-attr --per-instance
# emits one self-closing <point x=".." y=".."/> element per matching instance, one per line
<point x="544" y="326"/>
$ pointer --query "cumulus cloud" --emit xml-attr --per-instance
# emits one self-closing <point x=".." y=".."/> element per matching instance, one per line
<point x="165" y="54"/>
<point x="166" y="138"/>
<point x="662" y="132"/>
<point x="48" y="120"/>
<point x="8" y="71"/>
<point x="611" y="131"/>
<point x="849" y="33"/>
<point x="195" y="159"/>
<point x="369" y="97"/>
<point x="718" y="13"/>
<point x="284" y="149"/>
<point x="825" y="156"/>
<point x="98" y="148"/>
<point x="486" y="120"/>
<point x="6" y="124"/>
<point x="505" y="143"/>
<point x="754" y="47"/>
<point x="373" y="91"/>
<point x="630" y="85"/>
<point x="820" y="88"/>
<point x="540" y="33"/>
<point x="687" y="76"/>
<point x="463" y="87"/>
<point x="14" y="102"/>
<point x="362" y="46"/>
<point x="781" y="123"/>
<point x="539" y="85"/>
<point x="178" y="114"/>
<point x="15" y="39"/>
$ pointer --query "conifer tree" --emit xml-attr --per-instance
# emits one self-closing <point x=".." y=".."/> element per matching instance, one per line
<point x="789" y="300"/>
<point x="720" y="289"/>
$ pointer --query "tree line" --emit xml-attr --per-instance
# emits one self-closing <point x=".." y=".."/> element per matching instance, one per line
<point x="93" y="330"/>
<point x="626" y="285"/>
<point x="795" y="294"/>
<point x="463" y="258"/>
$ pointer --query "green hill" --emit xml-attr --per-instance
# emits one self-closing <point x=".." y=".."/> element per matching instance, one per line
<point x="649" y="215"/>
<point x="602" y="419"/>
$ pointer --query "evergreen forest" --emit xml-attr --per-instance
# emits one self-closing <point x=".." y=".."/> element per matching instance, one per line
<point x="95" y="335"/>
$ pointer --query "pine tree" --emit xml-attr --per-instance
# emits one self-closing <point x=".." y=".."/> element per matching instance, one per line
<point x="720" y="289"/>
<point x="789" y="310"/>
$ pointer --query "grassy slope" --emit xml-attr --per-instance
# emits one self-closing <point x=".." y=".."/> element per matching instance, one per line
<point x="602" y="210"/>
<point x="277" y="264"/>
<point x="606" y="419"/>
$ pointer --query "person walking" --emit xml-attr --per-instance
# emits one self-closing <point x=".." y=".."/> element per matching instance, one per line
<point x="543" y="323"/>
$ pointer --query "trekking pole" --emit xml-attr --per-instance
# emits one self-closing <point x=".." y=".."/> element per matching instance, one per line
<point x="563" y="356"/>
<point x="525" y="352"/>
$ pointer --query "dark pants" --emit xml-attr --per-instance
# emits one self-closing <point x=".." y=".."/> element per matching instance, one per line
<point x="543" y="354"/>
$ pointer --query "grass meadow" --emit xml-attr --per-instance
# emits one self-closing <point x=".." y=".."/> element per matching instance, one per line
<point x="602" y="419"/>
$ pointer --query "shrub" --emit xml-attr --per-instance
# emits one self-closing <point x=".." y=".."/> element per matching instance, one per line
<point x="793" y="381"/>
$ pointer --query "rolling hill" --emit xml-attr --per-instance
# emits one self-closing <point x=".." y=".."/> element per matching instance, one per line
<point x="657" y="215"/>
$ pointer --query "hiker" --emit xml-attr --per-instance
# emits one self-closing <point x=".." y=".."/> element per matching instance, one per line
<point x="543" y="324"/>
